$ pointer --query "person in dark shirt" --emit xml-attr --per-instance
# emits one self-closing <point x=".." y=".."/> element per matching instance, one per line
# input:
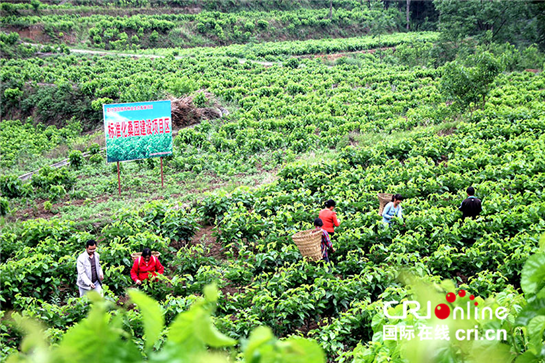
<point x="471" y="207"/>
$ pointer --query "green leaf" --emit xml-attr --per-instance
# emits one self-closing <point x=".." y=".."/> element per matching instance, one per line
<point x="542" y="243"/>
<point x="302" y="350"/>
<point x="34" y="338"/>
<point x="211" y="336"/>
<point x="535" y="331"/>
<point x="376" y="322"/>
<point x="527" y="357"/>
<point x="211" y="293"/>
<point x="97" y="339"/>
<point x="530" y="311"/>
<point x="533" y="274"/>
<point x="195" y="329"/>
<point x="182" y="330"/>
<point x="264" y="347"/>
<point x="152" y="315"/>
<point x="258" y="337"/>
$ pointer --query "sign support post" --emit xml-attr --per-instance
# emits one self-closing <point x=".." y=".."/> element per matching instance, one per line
<point x="162" y="183"/>
<point x="118" y="179"/>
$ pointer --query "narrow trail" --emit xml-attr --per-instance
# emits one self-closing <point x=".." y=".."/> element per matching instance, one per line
<point x="136" y="55"/>
<point x="100" y="52"/>
<point x="56" y="165"/>
<point x="205" y="237"/>
<point x="331" y="57"/>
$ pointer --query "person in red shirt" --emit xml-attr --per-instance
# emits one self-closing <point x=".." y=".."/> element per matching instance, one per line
<point x="145" y="265"/>
<point x="329" y="218"/>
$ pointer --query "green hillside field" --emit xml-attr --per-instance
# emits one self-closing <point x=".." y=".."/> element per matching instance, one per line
<point x="424" y="114"/>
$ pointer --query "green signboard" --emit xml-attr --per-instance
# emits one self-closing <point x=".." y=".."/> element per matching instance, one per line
<point x="138" y="130"/>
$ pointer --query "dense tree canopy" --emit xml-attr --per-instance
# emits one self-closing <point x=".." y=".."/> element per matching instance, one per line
<point x="514" y="21"/>
<point x="470" y="84"/>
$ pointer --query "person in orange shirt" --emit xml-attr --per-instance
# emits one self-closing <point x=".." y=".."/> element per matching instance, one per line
<point x="329" y="218"/>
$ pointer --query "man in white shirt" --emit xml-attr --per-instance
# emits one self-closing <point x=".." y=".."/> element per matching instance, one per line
<point x="90" y="274"/>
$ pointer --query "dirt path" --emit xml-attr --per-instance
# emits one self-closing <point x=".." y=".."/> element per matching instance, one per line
<point x="330" y="57"/>
<point x="135" y="55"/>
<point x="335" y="56"/>
<point x="59" y="164"/>
<point x="101" y="52"/>
<point x="205" y="236"/>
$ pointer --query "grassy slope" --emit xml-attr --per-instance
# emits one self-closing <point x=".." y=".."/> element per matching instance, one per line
<point x="56" y="25"/>
<point x="142" y="185"/>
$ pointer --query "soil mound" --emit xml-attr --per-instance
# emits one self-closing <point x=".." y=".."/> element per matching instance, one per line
<point x="185" y="113"/>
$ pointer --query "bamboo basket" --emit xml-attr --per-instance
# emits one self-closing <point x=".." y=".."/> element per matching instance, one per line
<point x="136" y="255"/>
<point x="383" y="198"/>
<point x="309" y="243"/>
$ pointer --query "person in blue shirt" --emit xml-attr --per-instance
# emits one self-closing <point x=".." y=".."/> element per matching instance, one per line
<point x="393" y="209"/>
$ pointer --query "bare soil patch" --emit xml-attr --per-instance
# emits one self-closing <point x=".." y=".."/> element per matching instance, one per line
<point x="446" y="132"/>
<point x="205" y="236"/>
<point x="231" y="290"/>
<point x="37" y="211"/>
<point x="308" y="326"/>
<point x="185" y="113"/>
<point x="34" y="32"/>
<point x="335" y="56"/>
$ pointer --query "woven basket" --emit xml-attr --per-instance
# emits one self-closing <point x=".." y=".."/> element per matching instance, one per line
<point x="309" y="243"/>
<point x="136" y="255"/>
<point x="383" y="198"/>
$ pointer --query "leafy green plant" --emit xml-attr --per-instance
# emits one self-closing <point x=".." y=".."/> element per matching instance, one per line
<point x="48" y="177"/>
<point x="153" y="36"/>
<point x="200" y="99"/>
<point x="292" y="63"/>
<point x="11" y="186"/>
<point x="76" y="159"/>
<point x="96" y="159"/>
<point x="187" y="338"/>
<point x="113" y="168"/>
<point x="56" y="192"/>
<point x="36" y="4"/>
<point x="150" y="163"/>
<point x="468" y="85"/>
<point x="48" y="206"/>
<point x="4" y="206"/>
<point x="93" y="149"/>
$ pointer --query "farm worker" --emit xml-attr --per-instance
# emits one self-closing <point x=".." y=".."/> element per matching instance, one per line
<point x="144" y="265"/>
<point x="326" y="242"/>
<point x="393" y="209"/>
<point x="89" y="271"/>
<point x="471" y="206"/>
<point x="329" y="218"/>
